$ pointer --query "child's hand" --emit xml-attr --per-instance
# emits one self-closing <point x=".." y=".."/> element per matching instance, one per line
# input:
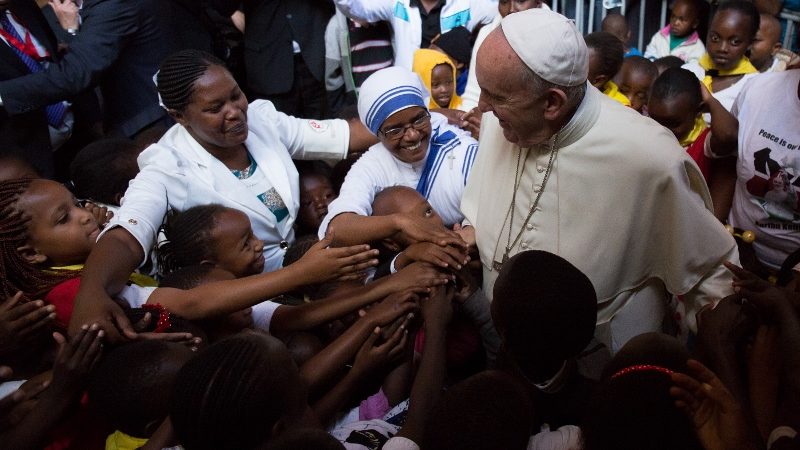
<point x="20" y="321"/>
<point x="437" y="310"/>
<point x="391" y="308"/>
<point x="447" y="257"/>
<point x="723" y="328"/>
<point x="323" y="263"/>
<point x="417" y="276"/>
<point x="467" y="233"/>
<point x="466" y="285"/>
<point x="420" y="229"/>
<point x="471" y="121"/>
<point x="705" y="94"/>
<point x="770" y="300"/>
<point x="376" y="354"/>
<point x="717" y="416"/>
<point x="75" y="359"/>
<point x="101" y="214"/>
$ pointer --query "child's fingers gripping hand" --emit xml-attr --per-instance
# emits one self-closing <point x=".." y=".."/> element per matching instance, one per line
<point x="445" y="257"/>
<point x="374" y="354"/>
<point x="101" y="214"/>
<point x="418" y="275"/>
<point x="392" y="307"/>
<point x="421" y="229"/>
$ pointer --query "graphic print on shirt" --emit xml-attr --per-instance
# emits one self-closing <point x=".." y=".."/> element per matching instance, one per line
<point x="775" y="185"/>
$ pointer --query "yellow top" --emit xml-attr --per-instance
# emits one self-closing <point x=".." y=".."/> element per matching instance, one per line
<point x="425" y="60"/>
<point x="743" y="67"/>
<point x="121" y="441"/>
<point x="699" y="126"/>
<point x="612" y="91"/>
<point x="135" y="278"/>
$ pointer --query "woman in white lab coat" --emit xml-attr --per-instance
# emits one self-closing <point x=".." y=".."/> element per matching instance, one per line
<point x="222" y="150"/>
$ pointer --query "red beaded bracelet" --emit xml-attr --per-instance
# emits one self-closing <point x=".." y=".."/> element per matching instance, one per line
<point x="163" y="324"/>
<point x="642" y="368"/>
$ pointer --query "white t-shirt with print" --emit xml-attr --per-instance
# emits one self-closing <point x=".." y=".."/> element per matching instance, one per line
<point x="767" y="197"/>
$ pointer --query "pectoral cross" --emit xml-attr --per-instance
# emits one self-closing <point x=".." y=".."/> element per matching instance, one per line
<point x="497" y="265"/>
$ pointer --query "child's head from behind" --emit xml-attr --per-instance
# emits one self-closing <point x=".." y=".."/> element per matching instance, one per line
<point x="211" y="234"/>
<point x="605" y="57"/>
<point x="237" y="394"/>
<point x="767" y="42"/>
<point x="14" y="167"/>
<point x="403" y="200"/>
<point x="668" y="62"/>
<point x="316" y="193"/>
<point x="634" y="396"/>
<point x="617" y="25"/>
<point x="731" y="33"/>
<point x="41" y="226"/>
<point x="490" y="410"/>
<point x="675" y="101"/>
<point x="132" y="384"/>
<point x="637" y="75"/>
<point x="683" y="18"/>
<point x="102" y="170"/>
<point x="545" y="311"/>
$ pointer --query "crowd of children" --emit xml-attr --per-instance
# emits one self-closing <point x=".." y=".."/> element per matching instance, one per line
<point x="319" y="304"/>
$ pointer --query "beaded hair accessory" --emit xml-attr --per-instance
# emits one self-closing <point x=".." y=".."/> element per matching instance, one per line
<point x="163" y="324"/>
<point x="641" y="368"/>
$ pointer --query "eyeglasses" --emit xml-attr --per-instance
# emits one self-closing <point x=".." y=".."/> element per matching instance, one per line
<point x="418" y="124"/>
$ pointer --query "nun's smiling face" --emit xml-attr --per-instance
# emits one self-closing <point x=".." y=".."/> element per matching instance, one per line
<point x="406" y="134"/>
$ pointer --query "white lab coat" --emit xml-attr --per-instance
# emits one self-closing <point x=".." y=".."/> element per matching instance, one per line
<point x="178" y="173"/>
<point x="407" y="24"/>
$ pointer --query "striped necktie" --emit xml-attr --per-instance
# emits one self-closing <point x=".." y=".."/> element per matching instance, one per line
<point x="55" y="112"/>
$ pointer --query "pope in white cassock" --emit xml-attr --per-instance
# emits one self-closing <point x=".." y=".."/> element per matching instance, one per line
<point x="565" y="169"/>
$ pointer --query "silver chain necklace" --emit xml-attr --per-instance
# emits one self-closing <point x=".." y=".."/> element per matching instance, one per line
<point x="497" y="265"/>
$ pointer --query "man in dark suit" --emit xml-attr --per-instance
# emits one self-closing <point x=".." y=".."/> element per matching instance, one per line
<point x="119" y="47"/>
<point x="284" y="43"/>
<point x="27" y="135"/>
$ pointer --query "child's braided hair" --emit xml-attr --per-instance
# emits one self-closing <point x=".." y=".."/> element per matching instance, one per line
<point x="17" y="274"/>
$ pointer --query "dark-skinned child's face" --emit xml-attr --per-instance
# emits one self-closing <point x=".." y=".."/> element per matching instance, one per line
<point x="676" y="114"/>
<point x="635" y="85"/>
<point x="316" y="193"/>
<point x="728" y="39"/>
<point x="683" y="19"/>
<point x="442" y="85"/>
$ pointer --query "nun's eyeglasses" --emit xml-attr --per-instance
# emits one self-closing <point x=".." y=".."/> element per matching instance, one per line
<point x="418" y="124"/>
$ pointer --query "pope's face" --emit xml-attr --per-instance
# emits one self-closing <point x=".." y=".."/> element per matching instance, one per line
<point x="505" y="92"/>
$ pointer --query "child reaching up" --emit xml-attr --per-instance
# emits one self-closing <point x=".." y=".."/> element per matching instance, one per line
<point x="439" y="76"/>
<point x="605" y="60"/>
<point x="47" y="236"/>
<point x="679" y="38"/>
<point x="222" y="237"/>
<point x="677" y="101"/>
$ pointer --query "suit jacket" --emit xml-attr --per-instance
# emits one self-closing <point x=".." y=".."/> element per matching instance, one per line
<point x="26" y="135"/>
<point x="119" y="47"/>
<point x="271" y="27"/>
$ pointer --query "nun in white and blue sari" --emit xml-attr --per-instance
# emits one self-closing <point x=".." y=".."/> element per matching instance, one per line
<point x="417" y="149"/>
